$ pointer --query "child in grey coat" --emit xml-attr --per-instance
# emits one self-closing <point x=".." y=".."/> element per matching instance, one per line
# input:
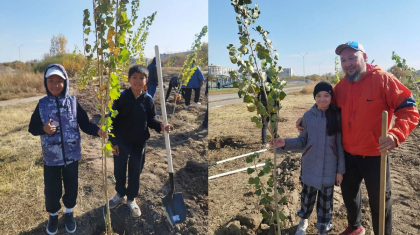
<point x="322" y="160"/>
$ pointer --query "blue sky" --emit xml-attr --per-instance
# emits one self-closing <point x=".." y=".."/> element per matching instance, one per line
<point x="318" y="27"/>
<point x="33" y="24"/>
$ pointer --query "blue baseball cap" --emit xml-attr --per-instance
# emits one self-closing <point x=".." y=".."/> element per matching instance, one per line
<point x="351" y="44"/>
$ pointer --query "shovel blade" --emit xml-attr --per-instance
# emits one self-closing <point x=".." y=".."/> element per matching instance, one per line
<point x="175" y="208"/>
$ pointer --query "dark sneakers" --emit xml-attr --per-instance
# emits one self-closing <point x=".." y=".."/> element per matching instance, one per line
<point x="52" y="226"/>
<point x="70" y="222"/>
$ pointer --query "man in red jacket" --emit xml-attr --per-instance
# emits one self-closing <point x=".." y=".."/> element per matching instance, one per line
<point x="362" y="95"/>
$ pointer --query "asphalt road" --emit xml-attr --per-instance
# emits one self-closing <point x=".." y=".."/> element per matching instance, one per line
<point x="226" y="99"/>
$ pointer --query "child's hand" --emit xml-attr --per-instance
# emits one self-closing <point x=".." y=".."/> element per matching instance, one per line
<point x="116" y="150"/>
<point x="48" y="128"/>
<point x="339" y="179"/>
<point x="101" y="133"/>
<point x="166" y="128"/>
<point x="277" y="142"/>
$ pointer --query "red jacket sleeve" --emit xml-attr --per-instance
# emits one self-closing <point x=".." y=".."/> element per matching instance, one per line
<point x="400" y="99"/>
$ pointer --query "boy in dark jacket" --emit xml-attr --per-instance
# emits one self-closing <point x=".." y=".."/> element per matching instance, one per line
<point x="56" y="119"/>
<point x="136" y="113"/>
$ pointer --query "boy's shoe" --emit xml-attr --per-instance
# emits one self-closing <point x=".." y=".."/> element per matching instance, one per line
<point x="349" y="231"/>
<point x="70" y="222"/>
<point x="185" y="107"/>
<point x="52" y="226"/>
<point x="197" y="104"/>
<point x="115" y="201"/>
<point x="303" y="225"/>
<point x="134" y="209"/>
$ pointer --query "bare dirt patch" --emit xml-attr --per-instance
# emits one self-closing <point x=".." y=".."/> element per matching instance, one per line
<point x="21" y="189"/>
<point x="234" y="209"/>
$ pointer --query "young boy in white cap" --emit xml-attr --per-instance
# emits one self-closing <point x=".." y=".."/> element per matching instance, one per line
<point x="56" y="119"/>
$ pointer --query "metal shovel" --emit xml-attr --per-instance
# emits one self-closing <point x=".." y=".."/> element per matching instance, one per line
<point x="174" y="204"/>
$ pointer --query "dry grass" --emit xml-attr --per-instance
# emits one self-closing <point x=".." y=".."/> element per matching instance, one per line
<point x="305" y="90"/>
<point x="215" y="91"/>
<point x="20" y="84"/>
<point x="21" y="172"/>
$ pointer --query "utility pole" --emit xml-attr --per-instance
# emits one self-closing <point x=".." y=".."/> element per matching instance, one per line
<point x="303" y="56"/>
<point x="19" y="53"/>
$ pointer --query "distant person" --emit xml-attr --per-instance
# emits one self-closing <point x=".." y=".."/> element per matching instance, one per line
<point x="362" y="95"/>
<point x="56" y="119"/>
<point x="173" y="83"/>
<point x="136" y="114"/>
<point x="195" y="83"/>
<point x="152" y="83"/>
<point x="218" y="85"/>
<point x="322" y="160"/>
<point x="261" y="97"/>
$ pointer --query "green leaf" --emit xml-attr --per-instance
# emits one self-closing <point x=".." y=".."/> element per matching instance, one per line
<point x="251" y="107"/>
<point x="86" y="31"/>
<point x="261" y="174"/>
<point x="244" y="40"/>
<point x="124" y="56"/>
<point x="248" y="99"/>
<point x="258" y="192"/>
<point x="251" y="180"/>
<point x="265" y="215"/>
<point x="266" y="169"/>
<point x="114" y="79"/>
<point x="282" y="200"/>
<point x="233" y="59"/>
<point x="114" y="93"/>
<point x="250" y="171"/>
<point x="108" y="146"/>
<point x="255" y="119"/>
<point x="282" y="217"/>
<point x="282" y="95"/>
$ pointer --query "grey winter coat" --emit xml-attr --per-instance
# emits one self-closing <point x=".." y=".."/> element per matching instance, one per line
<point x="323" y="156"/>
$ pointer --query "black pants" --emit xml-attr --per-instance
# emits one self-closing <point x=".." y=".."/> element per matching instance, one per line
<point x="134" y="155"/>
<point x="169" y="91"/>
<point x="53" y="175"/>
<point x="367" y="168"/>
<point x="188" y="92"/>
<point x="264" y="130"/>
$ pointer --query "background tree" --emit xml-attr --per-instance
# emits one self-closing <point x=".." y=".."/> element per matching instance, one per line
<point x="58" y="44"/>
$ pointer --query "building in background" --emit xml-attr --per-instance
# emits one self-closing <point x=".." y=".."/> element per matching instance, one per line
<point x="287" y="72"/>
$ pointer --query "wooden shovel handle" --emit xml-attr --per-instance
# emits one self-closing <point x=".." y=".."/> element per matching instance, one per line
<point x="382" y="183"/>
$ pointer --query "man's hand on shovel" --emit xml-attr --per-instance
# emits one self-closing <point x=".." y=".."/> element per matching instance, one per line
<point x="387" y="143"/>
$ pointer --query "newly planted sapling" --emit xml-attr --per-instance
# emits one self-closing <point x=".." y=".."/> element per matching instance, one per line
<point x="262" y="89"/>
<point x="116" y="42"/>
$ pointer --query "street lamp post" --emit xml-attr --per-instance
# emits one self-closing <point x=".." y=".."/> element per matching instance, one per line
<point x="19" y="53"/>
<point x="303" y="56"/>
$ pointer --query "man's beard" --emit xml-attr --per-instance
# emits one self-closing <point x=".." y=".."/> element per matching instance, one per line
<point x="357" y="75"/>
<point x="353" y="78"/>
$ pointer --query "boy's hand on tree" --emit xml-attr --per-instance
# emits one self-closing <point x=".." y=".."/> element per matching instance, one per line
<point x="277" y="142"/>
<point x="48" y="128"/>
<point x="298" y="125"/>
<point x="339" y="179"/>
<point x="166" y="128"/>
<point x="116" y="151"/>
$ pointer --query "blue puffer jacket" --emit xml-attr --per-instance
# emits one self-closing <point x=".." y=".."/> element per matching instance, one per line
<point x="196" y="79"/>
<point x="323" y="156"/>
<point x="64" y="144"/>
